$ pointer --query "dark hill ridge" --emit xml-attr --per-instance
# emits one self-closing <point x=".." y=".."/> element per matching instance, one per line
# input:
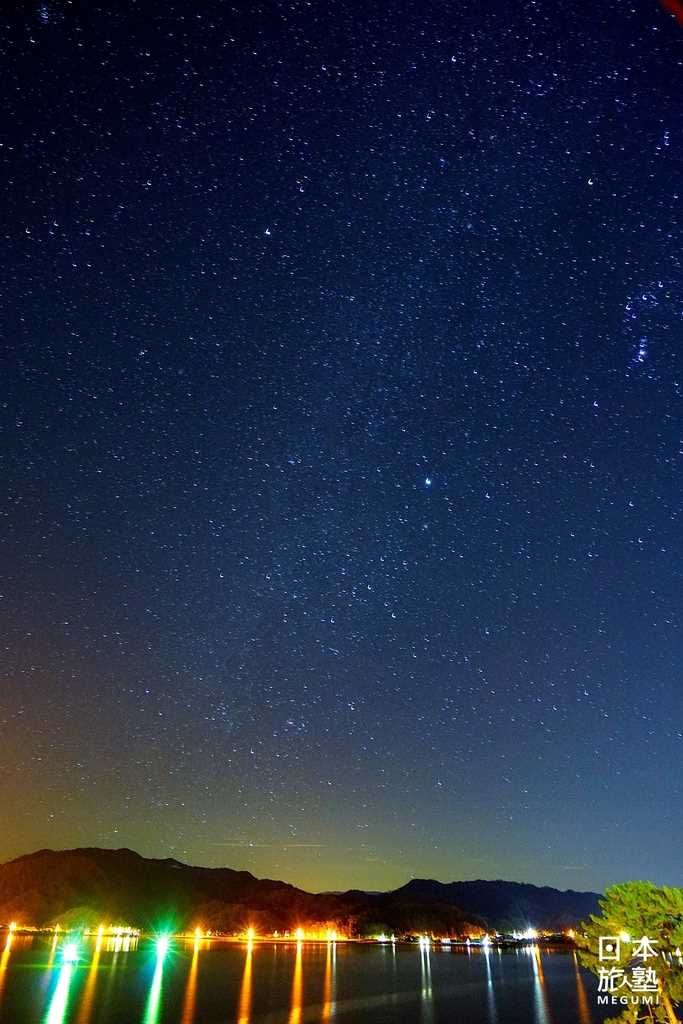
<point x="120" y="885"/>
<point x="507" y="904"/>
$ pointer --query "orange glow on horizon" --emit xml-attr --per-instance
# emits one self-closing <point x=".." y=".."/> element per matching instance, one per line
<point x="317" y="931"/>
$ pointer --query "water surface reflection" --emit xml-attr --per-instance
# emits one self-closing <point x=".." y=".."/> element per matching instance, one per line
<point x="213" y="982"/>
<point x="328" y="1010"/>
<point x="244" y="1012"/>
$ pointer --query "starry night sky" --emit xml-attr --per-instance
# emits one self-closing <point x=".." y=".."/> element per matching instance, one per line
<point x="342" y="451"/>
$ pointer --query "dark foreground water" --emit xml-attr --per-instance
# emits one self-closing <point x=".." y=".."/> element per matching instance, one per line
<point x="211" y="982"/>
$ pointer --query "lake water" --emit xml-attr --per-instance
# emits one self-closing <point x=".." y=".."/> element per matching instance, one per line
<point x="212" y="982"/>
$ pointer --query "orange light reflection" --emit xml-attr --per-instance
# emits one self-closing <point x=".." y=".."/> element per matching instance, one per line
<point x="585" y="1016"/>
<point x="191" y="987"/>
<point x="89" y="990"/>
<point x="329" y="984"/>
<point x="244" y="1011"/>
<point x="297" y="987"/>
<point x="3" y="961"/>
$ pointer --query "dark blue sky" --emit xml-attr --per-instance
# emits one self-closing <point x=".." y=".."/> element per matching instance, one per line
<point x="342" y="438"/>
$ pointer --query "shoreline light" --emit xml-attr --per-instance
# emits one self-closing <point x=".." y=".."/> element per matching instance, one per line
<point x="70" y="954"/>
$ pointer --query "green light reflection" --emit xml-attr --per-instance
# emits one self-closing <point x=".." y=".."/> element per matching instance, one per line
<point x="59" y="1003"/>
<point x="153" y="1005"/>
